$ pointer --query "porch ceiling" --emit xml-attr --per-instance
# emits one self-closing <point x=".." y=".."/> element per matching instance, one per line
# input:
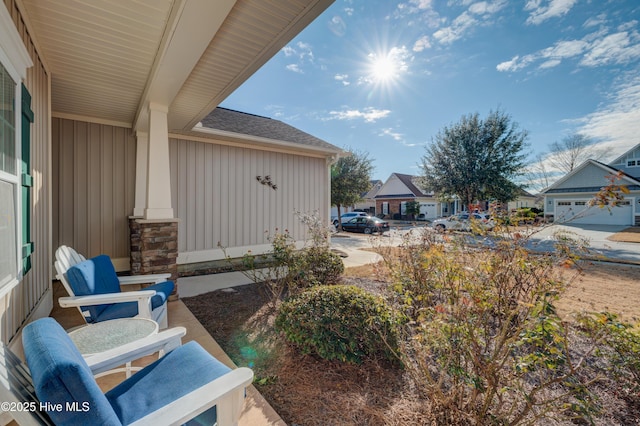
<point x="109" y="58"/>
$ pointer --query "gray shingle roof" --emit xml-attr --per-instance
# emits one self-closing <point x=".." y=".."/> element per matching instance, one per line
<point x="254" y="125"/>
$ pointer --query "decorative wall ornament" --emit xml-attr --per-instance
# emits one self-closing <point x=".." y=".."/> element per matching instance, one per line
<point x="267" y="181"/>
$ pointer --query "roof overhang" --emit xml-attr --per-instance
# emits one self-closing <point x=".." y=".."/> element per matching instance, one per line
<point x="605" y="168"/>
<point x="109" y="59"/>
<point x="203" y="134"/>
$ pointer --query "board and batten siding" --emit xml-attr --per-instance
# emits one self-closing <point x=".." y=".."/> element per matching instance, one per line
<point x="32" y="298"/>
<point x="94" y="188"/>
<point x="218" y="199"/>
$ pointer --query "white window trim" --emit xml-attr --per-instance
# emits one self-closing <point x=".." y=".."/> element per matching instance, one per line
<point x="15" y="59"/>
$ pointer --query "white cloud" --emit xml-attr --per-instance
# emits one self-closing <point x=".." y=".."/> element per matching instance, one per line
<point x="456" y="30"/>
<point x="294" y="68"/>
<point x="304" y="53"/>
<point x="288" y="51"/>
<point x="344" y="78"/>
<point x="594" y="49"/>
<point x="615" y="48"/>
<point x="550" y="9"/>
<point x="617" y="124"/>
<point x="389" y="132"/>
<point x="421" y="44"/>
<point x="595" y="21"/>
<point x="369" y="114"/>
<point x="349" y="11"/>
<point x="479" y="13"/>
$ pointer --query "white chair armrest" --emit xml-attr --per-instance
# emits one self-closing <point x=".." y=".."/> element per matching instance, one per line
<point x="162" y="342"/>
<point x="143" y="297"/>
<point x="143" y="279"/>
<point x="226" y="392"/>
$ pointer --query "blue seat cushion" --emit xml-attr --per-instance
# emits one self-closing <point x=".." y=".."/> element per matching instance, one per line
<point x="61" y="376"/>
<point x="130" y="309"/>
<point x="98" y="276"/>
<point x="176" y="374"/>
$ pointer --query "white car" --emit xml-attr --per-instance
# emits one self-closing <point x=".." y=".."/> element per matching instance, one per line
<point x="347" y="216"/>
<point x="462" y="222"/>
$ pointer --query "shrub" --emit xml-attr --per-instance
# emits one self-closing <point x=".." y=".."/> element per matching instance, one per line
<point x="340" y="322"/>
<point x="484" y="341"/>
<point x="318" y="266"/>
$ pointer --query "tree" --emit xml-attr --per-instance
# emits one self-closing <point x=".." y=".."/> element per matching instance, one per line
<point x="572" y="151"/>
<point x="350" y="178"/>
<point x="412" y="208"/>
<point x="537" y="174"/>
<point x="476" y="159"/>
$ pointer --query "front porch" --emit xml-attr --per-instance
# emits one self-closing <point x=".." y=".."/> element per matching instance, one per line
<point x="256" y="410"/>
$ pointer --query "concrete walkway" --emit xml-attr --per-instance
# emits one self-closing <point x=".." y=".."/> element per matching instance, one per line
<point x="193" y="286"/>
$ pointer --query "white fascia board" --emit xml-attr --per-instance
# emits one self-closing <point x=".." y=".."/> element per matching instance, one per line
<point x="261" y="141"/>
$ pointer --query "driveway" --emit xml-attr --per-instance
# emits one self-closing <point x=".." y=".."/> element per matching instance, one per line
<point x="596" y="235"/>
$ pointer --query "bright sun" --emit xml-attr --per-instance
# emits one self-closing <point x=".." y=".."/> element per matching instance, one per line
<point x="384" y="69"/>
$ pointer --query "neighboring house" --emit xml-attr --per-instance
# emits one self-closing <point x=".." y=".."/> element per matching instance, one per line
<point x="367" y="204"/>
<point x="394" y="194"/>
<point x="523" y="200"/>
<point x="566" y="200"/>
<point x="100" y="147"/>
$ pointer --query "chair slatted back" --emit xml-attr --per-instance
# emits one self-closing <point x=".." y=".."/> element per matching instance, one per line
<point x="16" y="387"/>
<point x="66" y="257"/>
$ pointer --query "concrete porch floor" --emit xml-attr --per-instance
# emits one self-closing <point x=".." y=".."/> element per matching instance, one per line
<point x="256" y="410"/>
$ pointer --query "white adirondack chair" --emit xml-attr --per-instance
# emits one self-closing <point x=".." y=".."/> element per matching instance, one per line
<point x="66" y="257"/>
<point x="59" y="371"/>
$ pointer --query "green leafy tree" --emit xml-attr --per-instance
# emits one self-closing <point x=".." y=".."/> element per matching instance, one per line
<point x="350" y="178"/>
<point x="476" y="158"/>
<point x="412" y="208"/>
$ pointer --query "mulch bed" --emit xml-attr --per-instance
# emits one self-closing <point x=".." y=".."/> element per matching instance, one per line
<point x="306" y="390"/>
<point x="628" y="235"/>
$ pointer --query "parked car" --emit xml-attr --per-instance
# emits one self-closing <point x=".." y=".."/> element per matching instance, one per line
<point x="462" y="222"/>
<point x="347" y="217"/>
<point x="367" y="224"/>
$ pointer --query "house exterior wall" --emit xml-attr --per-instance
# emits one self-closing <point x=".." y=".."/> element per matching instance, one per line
<point x="93" y="188"/>
<point x="589" y="176"/>
<point x="394" y="204"/>
<point x="622" y="165"/>
<point x="393" y="186"/>
<point x="218" y="199"/>
<point x="32" y="298"/>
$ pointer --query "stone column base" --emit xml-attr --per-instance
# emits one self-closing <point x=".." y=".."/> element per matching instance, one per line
<point x="154" y="248"/>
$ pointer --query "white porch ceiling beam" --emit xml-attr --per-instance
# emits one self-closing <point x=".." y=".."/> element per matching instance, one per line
<point x="191" y="27"/>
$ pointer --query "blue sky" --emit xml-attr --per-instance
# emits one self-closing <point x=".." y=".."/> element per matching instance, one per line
<point x="384" y="77"/>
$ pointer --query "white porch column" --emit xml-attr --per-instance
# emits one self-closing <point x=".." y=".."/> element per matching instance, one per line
<point x="142" y="148"/>
<point x="158" y="178"/>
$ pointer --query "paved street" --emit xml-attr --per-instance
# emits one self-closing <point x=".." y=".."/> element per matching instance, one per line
<point x="542" y="239"/>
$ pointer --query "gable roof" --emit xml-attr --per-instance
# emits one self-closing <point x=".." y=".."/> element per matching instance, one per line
<point x="620" y="158"/>
<point x="408" y="182"/>
<point x="376" y="184"/>
<point x="227" y="123"/>
<point x="606" y="168"/>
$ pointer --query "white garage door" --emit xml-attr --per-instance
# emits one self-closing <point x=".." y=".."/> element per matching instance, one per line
<point x="429" y="210"/>
<point x="576" y="211"/>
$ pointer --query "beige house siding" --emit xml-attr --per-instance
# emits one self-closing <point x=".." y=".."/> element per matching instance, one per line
<point x="218" y="199"/>
<point x="32" y="296"/>
<point x="93" y="187"/>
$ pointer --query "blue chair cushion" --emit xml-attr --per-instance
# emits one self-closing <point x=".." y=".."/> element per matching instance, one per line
<point x="61" y="376"/>
<point x="98" y="276"/>
<point x="176" y="374"/>
<point x="130" y="309"/>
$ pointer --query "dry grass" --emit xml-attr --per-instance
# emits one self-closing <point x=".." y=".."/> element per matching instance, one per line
<point x="306" y="390"/>
<point x="629" y="235"/>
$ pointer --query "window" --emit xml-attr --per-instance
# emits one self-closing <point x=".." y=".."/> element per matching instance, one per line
<point x="385" y="208"/>
<point x="8" y="179"/>
<point x="633" y="163"/>
<point x="564" y="203"/>
<point x="15" y="179"/>
<point x="581" y="203"/>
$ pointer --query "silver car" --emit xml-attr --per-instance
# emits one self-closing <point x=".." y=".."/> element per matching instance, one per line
<point x="462" y="222"/>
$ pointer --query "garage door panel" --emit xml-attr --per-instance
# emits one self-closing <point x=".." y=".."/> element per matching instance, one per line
<point x="577" y="211"/>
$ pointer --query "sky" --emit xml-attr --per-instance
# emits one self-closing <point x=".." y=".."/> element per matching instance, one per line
<point x="384" y="77"/>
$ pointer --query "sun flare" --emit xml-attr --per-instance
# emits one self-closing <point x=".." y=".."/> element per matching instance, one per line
<point x="384" y="69"/>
